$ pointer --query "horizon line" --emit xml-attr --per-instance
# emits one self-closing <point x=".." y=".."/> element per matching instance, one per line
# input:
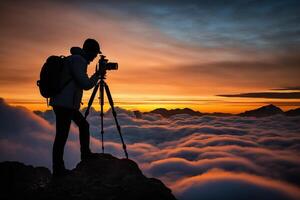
<point x="205" y="106"/>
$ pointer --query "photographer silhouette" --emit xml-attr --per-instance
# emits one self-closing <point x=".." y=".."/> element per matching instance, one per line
<point x="66" y="103"/>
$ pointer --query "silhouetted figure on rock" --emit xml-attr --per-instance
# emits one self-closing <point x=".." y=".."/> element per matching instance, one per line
<point x="66" y="104"/>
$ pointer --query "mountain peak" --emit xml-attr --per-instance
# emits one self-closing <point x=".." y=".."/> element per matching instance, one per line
<point x="104" y="177"/>
<point x="270" y="106"/>
<point x="263" y="111"/>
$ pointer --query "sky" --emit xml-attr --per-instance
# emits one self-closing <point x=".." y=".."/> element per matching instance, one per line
<point x="211" y="56"/>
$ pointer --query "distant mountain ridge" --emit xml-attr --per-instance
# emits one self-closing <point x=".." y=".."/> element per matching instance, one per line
<point x="263" y="111"/>
<point x="293" y="112"/>
<point x="168" y="113"/>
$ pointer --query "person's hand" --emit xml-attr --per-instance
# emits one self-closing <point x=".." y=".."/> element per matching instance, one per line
<point x="100" y="71"/>
<point x="97" y="71"/>
<point x="103" y="72"/>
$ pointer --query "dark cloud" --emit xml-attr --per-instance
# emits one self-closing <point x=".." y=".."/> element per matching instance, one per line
<point x="243" y="24"/>
<point x="283" y="68"/>
<point x="26" y="121"/>
<point x="277" y="103"/>
<point x="268" y="95"/>
<point x="28" y="138"/>
<point x="296" y="88"/>
<point x="24" y="135"/>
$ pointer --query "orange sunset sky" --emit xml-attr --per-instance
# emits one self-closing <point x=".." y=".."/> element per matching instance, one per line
<point x="210" y="61"/>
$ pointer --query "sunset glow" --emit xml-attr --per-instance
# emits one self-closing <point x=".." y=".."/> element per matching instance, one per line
<point x="160" y="65"/>
<point x="206" y="97"/>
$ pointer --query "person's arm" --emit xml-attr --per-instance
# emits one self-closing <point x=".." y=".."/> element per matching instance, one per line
<point x="78" y="71"/>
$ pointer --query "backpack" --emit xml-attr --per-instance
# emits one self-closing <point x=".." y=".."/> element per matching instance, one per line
<point x="50" y="76"/>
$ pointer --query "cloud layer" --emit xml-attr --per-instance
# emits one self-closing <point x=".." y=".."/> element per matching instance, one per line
<point x="210" y="157"/>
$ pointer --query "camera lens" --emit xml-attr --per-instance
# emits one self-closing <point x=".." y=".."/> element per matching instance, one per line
<point x="111" y="66"/>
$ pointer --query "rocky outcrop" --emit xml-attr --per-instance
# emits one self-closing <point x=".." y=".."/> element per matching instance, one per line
<point x="105" y="177"/>
<point x="19" y="181"/>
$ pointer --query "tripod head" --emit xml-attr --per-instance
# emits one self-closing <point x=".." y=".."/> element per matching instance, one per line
<point x="104" y="65"/>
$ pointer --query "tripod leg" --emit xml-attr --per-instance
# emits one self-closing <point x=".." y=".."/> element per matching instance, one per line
<point x="101" y="93"/>
<point x="115" y="116"/>
<point x="91" y="100"/>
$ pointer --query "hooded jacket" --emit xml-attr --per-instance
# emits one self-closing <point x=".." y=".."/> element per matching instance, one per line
<point x="75" y="69"/>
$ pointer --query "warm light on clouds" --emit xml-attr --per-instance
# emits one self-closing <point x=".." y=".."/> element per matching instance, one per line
<point x="222" y="182"/>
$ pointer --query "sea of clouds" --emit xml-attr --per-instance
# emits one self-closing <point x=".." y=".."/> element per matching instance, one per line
<point x="205" y="157"/>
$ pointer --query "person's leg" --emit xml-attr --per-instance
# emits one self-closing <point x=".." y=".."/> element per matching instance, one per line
<point x="84" y="132"/>
<point x="63" y="122"/>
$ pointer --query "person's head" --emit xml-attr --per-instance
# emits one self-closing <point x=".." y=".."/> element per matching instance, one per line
<point x="91" y="49"/>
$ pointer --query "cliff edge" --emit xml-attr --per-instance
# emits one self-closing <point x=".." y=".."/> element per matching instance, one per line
<point x="105" y="177"/>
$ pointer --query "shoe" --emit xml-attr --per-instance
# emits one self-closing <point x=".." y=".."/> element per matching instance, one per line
<point x="88" y="156"/>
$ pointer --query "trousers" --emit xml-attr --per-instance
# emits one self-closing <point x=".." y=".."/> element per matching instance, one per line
<point x="64" y="116"/>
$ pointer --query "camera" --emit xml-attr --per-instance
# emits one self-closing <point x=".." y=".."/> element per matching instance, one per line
<point x="105" y="65"/>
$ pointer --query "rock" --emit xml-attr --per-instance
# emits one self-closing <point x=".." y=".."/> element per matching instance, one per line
<point x="18" y="181"/>
<point x="105" y="178"/>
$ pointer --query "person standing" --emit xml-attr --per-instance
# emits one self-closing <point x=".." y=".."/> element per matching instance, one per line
<point x="66" y="103"/>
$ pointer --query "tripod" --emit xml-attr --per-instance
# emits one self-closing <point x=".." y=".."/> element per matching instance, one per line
<point x="103" y="86"/>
